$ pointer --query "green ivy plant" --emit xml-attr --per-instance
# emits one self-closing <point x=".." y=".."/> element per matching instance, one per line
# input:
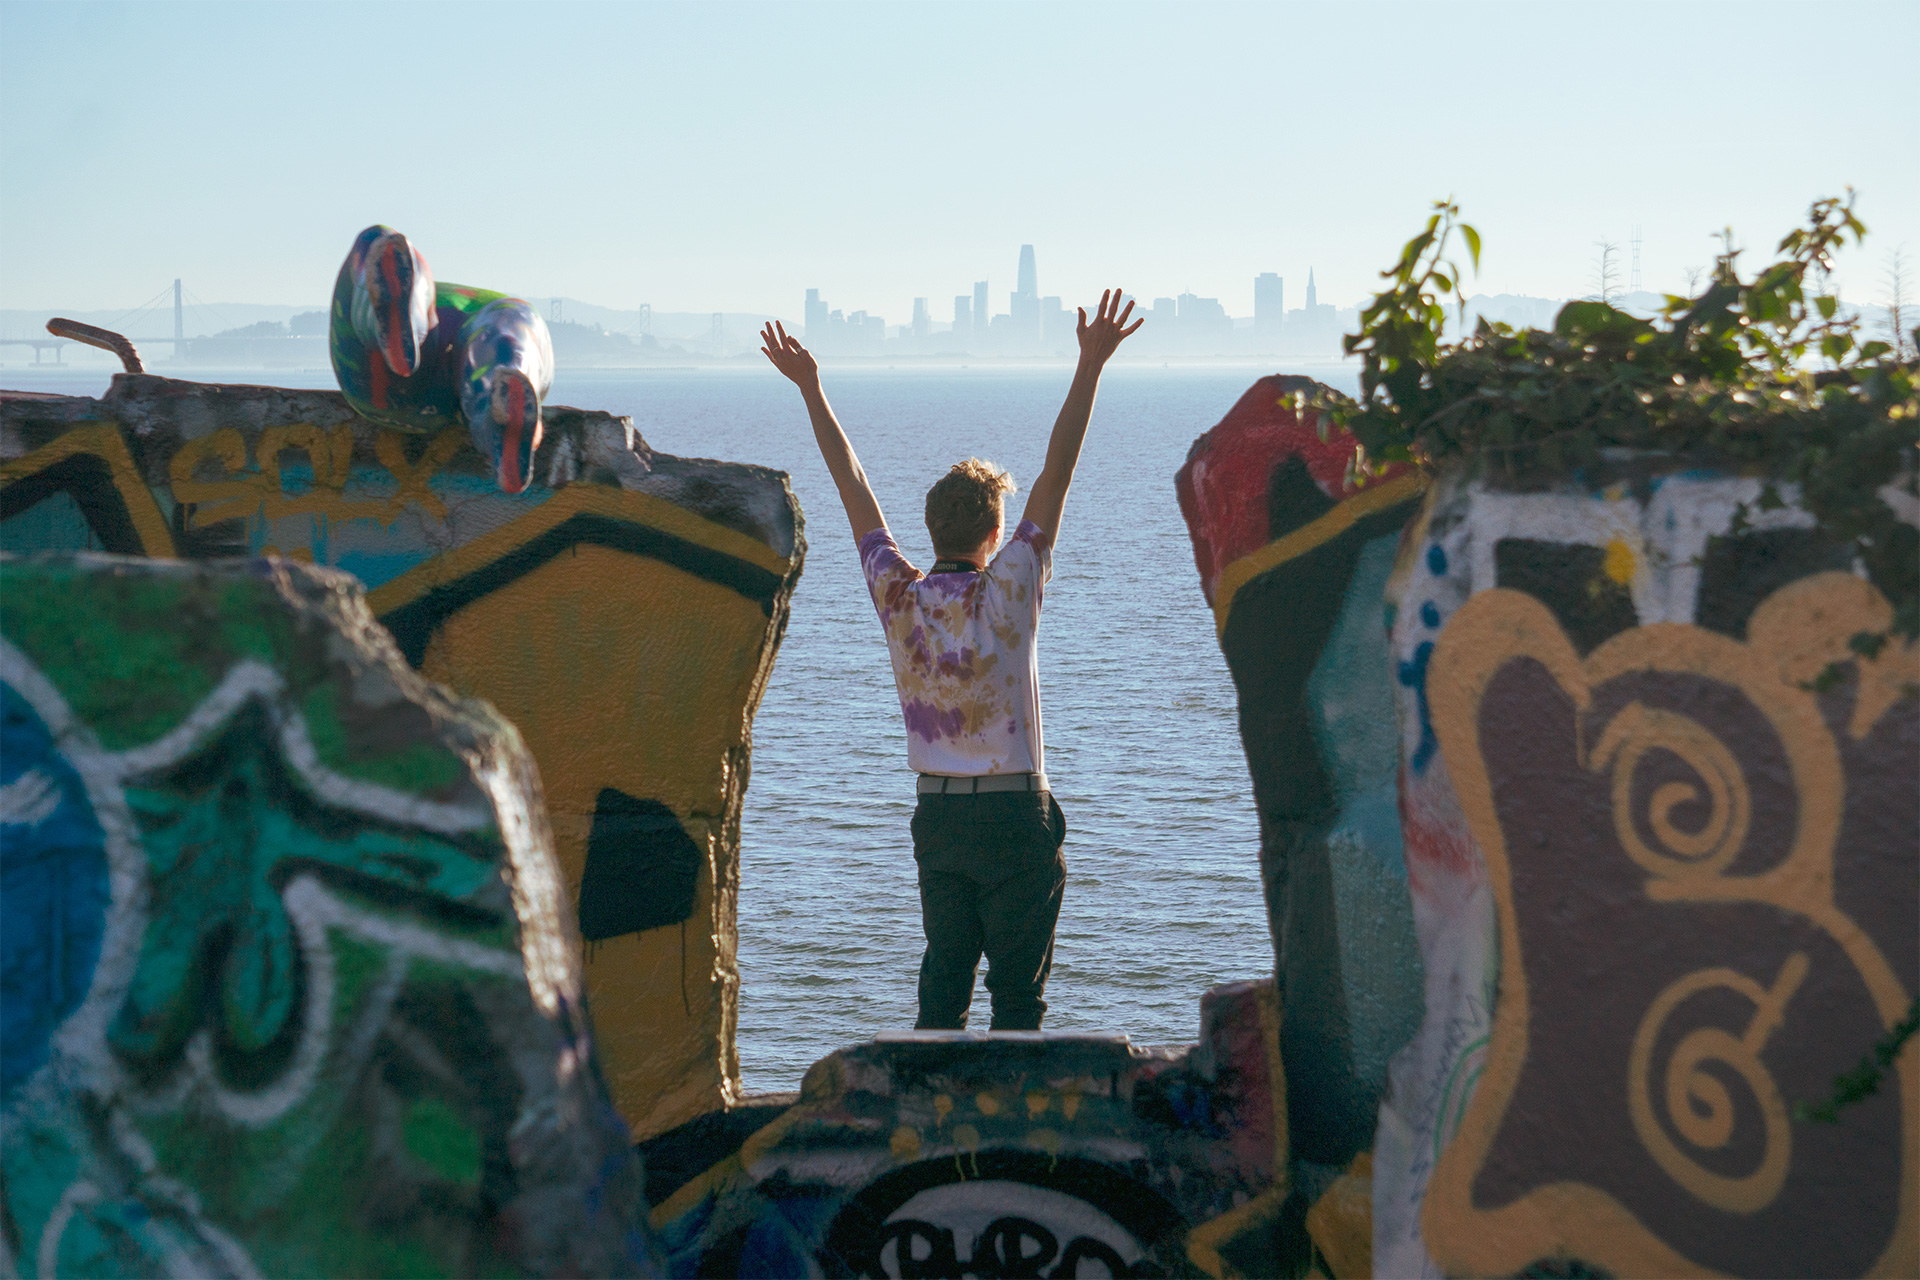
<point x="1865" y="1079"/>
<point x="1762" y="374"/>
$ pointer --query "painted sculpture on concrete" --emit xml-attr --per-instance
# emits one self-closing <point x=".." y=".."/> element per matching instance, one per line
<point x="1662" y="824"/>
<point x="288" y="982"/>
<point x="1015" y="1153"/>
<point x="416" y="355"/>
<point x="1658" y="830"/>
<point x="1293" y="557"/>
<point x="622" y="611"/>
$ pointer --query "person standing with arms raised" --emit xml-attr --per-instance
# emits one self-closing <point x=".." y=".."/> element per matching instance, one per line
<point x="987" y="832"/>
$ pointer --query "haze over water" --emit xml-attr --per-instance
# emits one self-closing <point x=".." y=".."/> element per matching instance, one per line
<point x="1163" y="889"/>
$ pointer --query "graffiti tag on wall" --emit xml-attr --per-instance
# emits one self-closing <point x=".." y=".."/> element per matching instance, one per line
<point x="285" y="972"/>
<point x="949" y="1154"/>
<point x="1705" y="880"/>
<point x="623" y="612"/>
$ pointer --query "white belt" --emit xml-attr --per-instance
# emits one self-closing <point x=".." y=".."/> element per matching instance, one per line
<point x="942" y="785"/>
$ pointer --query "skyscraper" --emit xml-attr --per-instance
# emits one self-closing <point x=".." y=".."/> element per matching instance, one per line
<point x="816" y="318"/>
<point x="1313" y="298"/>
<point x="980" y="316"/>
<point x="1025" y="303"/>
<point x="1269" y="302"/>
<point x="1056" y="325"/>
<point x="922" y="320"/>
<point x="1204" y="326"/>
<point x="962" y="317"/>
<point x="1165" y="327"/>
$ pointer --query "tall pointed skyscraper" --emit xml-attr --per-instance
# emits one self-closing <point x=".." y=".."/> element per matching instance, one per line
<point x="1024" y="304"/>
<point x="1313" y="298"/>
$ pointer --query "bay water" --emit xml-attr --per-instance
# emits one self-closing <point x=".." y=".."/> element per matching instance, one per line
<point x="1163" y="890"/>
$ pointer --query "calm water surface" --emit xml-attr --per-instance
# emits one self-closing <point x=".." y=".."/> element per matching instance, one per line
<point x="1163" y="889"/>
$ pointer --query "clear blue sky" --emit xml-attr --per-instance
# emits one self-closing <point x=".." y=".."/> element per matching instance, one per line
<point x="727" y="157"/>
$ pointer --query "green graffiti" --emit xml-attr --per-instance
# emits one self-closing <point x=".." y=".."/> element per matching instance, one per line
<point x="445" y="1143"/>
<point x="222" y="836"/>
<point x="134" y="654"/>
<point x="419" y="767"/>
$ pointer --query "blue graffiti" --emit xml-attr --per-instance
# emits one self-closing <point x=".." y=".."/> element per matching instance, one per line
<point x="781" y="1240"/>
<point x="1437" y="560"/>
<point x="53" y="890"/>
<point x="1414" y="676"/>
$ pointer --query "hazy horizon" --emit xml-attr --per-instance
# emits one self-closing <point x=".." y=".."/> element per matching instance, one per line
<point x="727" y="158"/>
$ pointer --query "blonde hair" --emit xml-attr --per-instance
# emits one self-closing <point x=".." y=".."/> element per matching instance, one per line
<point x="964" y="505"/>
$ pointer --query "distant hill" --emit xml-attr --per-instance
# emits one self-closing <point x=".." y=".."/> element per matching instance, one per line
<point x="1522" y="311"/>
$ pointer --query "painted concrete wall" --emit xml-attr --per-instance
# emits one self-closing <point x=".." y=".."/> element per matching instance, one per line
<point x="1294" y="558"/>
<point x="288" y="983"/>
<point x="1012" y="1153"/>
<point x="1666" y="880"/>
<point x="623" y="613"/>
<point x="1657" y="836"/>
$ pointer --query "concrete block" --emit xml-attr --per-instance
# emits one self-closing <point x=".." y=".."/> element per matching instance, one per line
<point x="291" y="984"/>
<point x="1664" y="838"/>
<point x="1000" y="1155"/>
<point x="1294" y="557"/>
<point x="623" y="612"/>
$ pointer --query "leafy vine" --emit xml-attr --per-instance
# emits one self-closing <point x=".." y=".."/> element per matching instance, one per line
<point x="1765" y="375"/>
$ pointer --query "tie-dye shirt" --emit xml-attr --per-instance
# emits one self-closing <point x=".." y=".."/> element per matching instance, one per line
<point x="963" y="654"/>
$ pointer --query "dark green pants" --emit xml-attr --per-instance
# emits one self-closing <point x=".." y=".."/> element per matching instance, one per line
<point x="991" y="876"/>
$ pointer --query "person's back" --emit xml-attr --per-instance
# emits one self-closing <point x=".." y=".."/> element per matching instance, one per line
<point x="987" y="832"/>
<point x="964" y="660"/>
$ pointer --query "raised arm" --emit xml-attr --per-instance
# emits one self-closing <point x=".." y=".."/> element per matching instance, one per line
<point x="856" y="495"/>
<point x="1098" y="341"/>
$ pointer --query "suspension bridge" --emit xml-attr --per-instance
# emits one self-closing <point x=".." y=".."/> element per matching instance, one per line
<point x="146" y="311"/>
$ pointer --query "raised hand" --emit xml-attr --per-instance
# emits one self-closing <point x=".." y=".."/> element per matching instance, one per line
<point x="789" y="357"/>
<point x="1109" y="328"/>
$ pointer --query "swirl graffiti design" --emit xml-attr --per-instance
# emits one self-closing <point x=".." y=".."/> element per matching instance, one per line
<point x="1705" y="852"/>
<point x="1698" y="1103"/>
<point x="1693" y="749"/>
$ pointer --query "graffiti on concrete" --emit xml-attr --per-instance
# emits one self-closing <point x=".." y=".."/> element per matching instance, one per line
<point x="623" y="611"/>
<point x="1294" y="557"/>
<point x="1021" y="1214"/>
<point x="1664" y="865"/>
<point x="1017" y="1153"/>
<point x="289" y="985"/>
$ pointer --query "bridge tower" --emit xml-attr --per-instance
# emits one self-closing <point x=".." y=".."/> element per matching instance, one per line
<point x="179" y="318"/>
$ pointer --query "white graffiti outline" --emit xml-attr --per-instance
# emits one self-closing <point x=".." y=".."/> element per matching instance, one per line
<point x="78" y="1192"/>
<point x="81" y="1039"/>
<point x="28" y="800"/>
<point x="80" y="1059"/>
<point x="179" y="1262"/>
<point x="252" y="679"/>
<point x="79" y="1044"/>
<point x="1667" y="534"/>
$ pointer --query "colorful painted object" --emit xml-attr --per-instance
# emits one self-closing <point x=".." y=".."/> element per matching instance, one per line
<point x="416" y="356"/>
<point x="623" y="611"/>
<point x="1294" y="557"/>
<point x="1006" y="1154"/>
<point x="1661" y="828"/>
<point x="290" y="986"/>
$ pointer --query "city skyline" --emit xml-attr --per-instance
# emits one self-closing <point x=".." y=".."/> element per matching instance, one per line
<point x="1046" y="324"/>
<point x="1034" y="325"/>
<point x="716" y="157"/>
